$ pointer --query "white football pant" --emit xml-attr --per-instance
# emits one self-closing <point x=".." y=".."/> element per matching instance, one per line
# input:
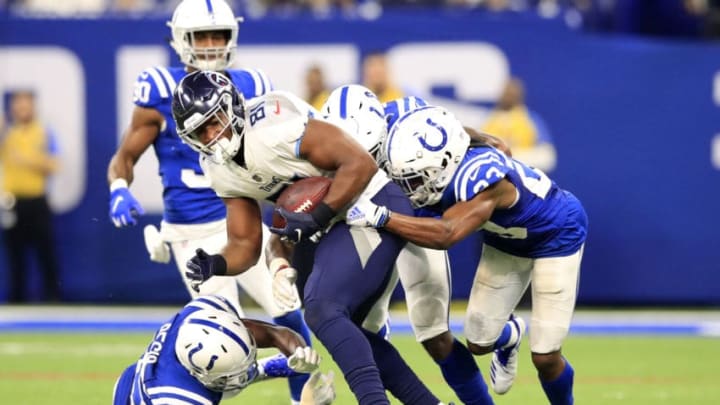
<point x="499" y="284"/>
<point x="425" y="278"/>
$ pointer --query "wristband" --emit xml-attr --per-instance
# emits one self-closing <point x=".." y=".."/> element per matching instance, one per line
<point x="322" y="214"/>
<point x="219" y="265"/>
<point x="384" y="221"/>
<point x="118" y="183"/>
<point x="277" y="264"/>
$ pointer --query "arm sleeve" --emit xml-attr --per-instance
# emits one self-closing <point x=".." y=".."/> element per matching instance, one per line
<point x="276" y="366"/>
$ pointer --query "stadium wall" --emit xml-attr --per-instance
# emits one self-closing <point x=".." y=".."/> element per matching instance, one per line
<point x="634" y="122"/>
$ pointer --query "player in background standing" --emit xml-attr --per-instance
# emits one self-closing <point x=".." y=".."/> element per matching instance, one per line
<point x="533" y="231"/>
<point x="207" y="353"/>
<point x="204" y="35"/>
<point x="252" y="152"/>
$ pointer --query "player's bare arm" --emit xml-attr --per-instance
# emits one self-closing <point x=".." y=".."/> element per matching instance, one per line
<point x="244" y="231"/>
<point x="487" y="139"/>
<point x="329" y="148"/>
<point x="268" y="335"/>
<point x="144" y="127"/>
<point x="457" y="222"/>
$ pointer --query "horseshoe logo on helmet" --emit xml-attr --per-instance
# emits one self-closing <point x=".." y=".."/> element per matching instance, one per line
<point x="443" y="139"/>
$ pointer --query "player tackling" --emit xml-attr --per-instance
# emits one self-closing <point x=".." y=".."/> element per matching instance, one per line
<point x="251" y="152"/>
<point x="532" y="229"/>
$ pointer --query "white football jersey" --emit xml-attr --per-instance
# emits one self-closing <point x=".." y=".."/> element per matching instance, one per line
<point x="274" y="127"/>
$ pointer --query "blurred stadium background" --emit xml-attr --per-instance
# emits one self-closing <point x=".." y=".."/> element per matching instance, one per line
<point x="630" y="90"/>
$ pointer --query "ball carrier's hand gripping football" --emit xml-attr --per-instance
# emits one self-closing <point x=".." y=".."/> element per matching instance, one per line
<point x="300" y="212"/>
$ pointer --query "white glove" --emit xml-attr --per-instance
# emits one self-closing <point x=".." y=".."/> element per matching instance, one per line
<point x="304" y="360"/>
<point x="284" y="289"/>
<point x="319" y="389"/>
<point x="157" y="248"/>
<point x="366" y="213"/>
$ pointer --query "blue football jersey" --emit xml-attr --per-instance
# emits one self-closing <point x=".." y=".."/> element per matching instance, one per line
<point x="187" y="195"/>
<point x="158" y="377"/>
<point x="545" y="221"/>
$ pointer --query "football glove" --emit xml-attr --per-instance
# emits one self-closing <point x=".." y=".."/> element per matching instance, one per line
<point x="366" y="213"/>
<point x="202" y="266"/>
<point x="304" y="360"/>
<point x="157" y="248"/>
<point x="124" y="208"/>
<point x="298" y="226"/>
<point x="319" y="389"/>
<point x="284" y="289"/>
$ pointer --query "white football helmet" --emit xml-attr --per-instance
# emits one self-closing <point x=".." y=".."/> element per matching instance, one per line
<point x="192" y="16"/>
<point x="397" y="108"/>
<point x="362" y="112"/>
<point x="217" y="349"/>
<point x="423" y="151"/>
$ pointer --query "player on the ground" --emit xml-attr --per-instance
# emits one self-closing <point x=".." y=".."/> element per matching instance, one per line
<point x="207" y="353"/>
<point x="251" y="152"/>
<point x="204" y="35"/>
<point x="532" y="230"/>
<point x="424" y="273"/>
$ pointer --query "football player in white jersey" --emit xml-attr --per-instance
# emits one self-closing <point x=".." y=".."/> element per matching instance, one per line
<point x="424" y="273"/>
<point x="204" y="35"/>
<point x="251" y="153"/>
<point x="207" y="353"/>
<point x="532" y="230"/>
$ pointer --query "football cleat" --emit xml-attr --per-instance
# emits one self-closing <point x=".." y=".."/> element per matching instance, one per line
<point x="503" y="367"/>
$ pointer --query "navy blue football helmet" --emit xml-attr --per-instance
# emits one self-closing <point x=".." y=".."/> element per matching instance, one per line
<point x="209" y="113"/>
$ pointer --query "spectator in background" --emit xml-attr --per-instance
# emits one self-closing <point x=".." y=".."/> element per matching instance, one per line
<point x="28" y="158"/>
<point x="317" y="92"/>
<point x="378" y="78"/>
<point x="521" y="128"/>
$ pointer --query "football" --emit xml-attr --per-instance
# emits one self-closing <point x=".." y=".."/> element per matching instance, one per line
<point x="301" y="196"/>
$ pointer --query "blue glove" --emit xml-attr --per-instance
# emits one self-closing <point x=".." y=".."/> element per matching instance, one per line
<point x="304" y="225"/>
<point x="124" y="208"/>
<point x="202" y="266"/>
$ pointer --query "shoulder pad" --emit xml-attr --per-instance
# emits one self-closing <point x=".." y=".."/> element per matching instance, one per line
<point x="482" y="167"/>
<point x="250" y="82"/>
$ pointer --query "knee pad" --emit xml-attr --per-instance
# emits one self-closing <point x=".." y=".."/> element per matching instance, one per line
<point x="429" y="317"/>
<point x="481" y="330"/>
<point x="546" y="337"/>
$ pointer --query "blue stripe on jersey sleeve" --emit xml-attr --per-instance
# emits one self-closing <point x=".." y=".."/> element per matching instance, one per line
<point x="212" y="300"/>
<point x="151" y="89"/>
<point x="481" y="168"/>
<point x="250" y="82"/>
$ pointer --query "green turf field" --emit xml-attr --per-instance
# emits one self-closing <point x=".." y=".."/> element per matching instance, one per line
<point x="65" y="369"/>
